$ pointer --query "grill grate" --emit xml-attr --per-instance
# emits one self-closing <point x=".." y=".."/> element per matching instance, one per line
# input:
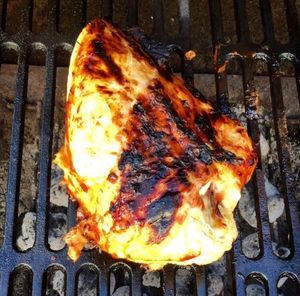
<point x="267" y="267"/>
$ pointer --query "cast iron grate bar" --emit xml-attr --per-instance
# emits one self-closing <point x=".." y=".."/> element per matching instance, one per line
<point x="292" y="19"/>
<point x="267" y="20"/>
<point x="168" y="280"/>
<point x="280" y="123"/>
<point x="242" y="21"/>
<point x="158" y="19"/>
<point x="4" y="281"/>
<point x="222" y="102"/>
<point x="15" y="150"/>
<point x="107" y="9"/>
<point x="200" y="280"/>
<point x="79" y="13"/>
<point x="132" y="17"/>
<point x="217" y="38"/>
<point x="136" y="281"/>
<point x="39" y="258"/>
<point x="2" y="13"/>
<point x="184" y="29"/>
<point x="45" y="150"/>
<point x="52" y="19"/>
<point x="297" y="72"/>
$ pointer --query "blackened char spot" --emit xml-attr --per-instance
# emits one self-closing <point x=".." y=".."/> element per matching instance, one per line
<point x="229" y="155"/>
<point x="114" y="69"/>
<point x="146" y="122"/>
<point x="182" y="177"/>
<point x="180" y="123"/>
<point x="188" y="160"/>
<point x="226" y="156"/>
<point x="204" y="125"/>
<point x="205" y="155"/>
<point x="147" y="128"/>
<point x="154" y="137"/>
<point x="158" y="51"/>
<point x="98" y="47"/>
<point x="145" y="183"/>
<point x="185" y="162"/>
<point x="131" y="158"/>
<point x="161" y="213"/>
<point x="138" y="109"/>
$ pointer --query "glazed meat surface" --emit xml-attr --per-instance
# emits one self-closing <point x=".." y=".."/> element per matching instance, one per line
<point x="156" y="169"/>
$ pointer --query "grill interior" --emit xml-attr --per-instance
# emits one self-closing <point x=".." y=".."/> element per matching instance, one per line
<point x="245" y="49"/>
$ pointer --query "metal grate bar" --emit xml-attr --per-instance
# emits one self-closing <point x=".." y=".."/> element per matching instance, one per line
<point x="4" y="282"/>
<point x="292" y="19"/>
<point x="72" y="207"/>
<point x="222" y="92"/>
<point x="52" y="23"/>
<point x="240" y="284"/>
<point x="70" y="281"/>
<point x="272" y="288"/>
<point x="242" y="21"/>
<point x="79" y="13"/>
<point x="200" y="280"/>
<point x="132" y="17"/>
<point x="297" y="74"/>
<point x="222" y="102"/>
<point x="107" y="9"/>
<point x="136" y="281"/>
<point x="229" y="282"/>
<point x="258" y="178"/>
<point x="217" y="38"/>
<point x="104" y="283"/>
<point x="158" y="18"/>
<point x="261" y="208"/>
<point x="37" y="283"/>
<point x="184" y="29"/>
<point x="168" y="280"/>
<point x="26" y="17"/>
<point x="267" y="20"/>
<point x="45" y="150"/>
<point x="184" y="22"/>
<point x="216" y="21"/>
<point x="2" y="13"/>
<point x="15" y="157"/>
<point x="280" y="124"/>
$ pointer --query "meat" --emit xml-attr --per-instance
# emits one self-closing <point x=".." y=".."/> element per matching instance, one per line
<point x="156" y="169"/>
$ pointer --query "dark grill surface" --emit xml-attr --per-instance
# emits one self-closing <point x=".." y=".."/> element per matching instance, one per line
<point x="32" y="39"/>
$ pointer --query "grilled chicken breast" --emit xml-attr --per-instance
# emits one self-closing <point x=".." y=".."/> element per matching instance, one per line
<point x="156" y="170"/>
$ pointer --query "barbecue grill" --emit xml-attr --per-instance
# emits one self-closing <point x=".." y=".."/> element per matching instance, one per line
<point x="29" y="36"/>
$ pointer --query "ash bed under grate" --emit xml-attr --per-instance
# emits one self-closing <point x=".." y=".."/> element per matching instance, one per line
<point x="257" y="41"/>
